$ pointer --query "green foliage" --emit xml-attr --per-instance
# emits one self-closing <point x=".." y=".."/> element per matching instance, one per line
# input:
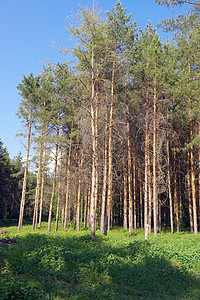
<point x="71" y="265"/>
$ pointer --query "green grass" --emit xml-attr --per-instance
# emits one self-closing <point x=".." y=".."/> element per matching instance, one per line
<point x="71" y="265"/>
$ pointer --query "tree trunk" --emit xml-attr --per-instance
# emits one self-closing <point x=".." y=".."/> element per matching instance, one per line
<point x="37" y="192"/>
<point x="21" y="214"/>
<point x="125" y="221"/>
<point x="134" y="191"/>
<point x="67" y="206"/>
<point x="146" y="181"/>
<point x="189" y="193"/>
<point x="110" y="143"/>
<point x="103" y="208"/>
<point x="94" y="167"/>
<point x="180" y="194"/>
<point x="59" y="183"/>
<point x="169" y="189"/>
<point x="79" y="194"/>
<point x="155" y="204"/>
<point x="42" y="185"/>
<point x="54" y="178"/>
<point x="193" y="184"/>
<point x="85" y="206"/>
<point x="129" y="179"/>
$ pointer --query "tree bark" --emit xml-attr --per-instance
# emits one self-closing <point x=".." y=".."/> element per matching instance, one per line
<point x="169" y="189"/>
<point x="79" y="194"/>
<point x="59" y="183"/>
<point x="68" y="179"/>
<point x="189" y="193"/>
<point x="21" y="214"/>
<point x="37" y="192"/>
<point x="130" y="194"/>
<point x="42" y="186"/>
<point x="54" y="177"/>
<point x="176" y="209"/>
<point x="125" y="221"/>
<point x="155" y="202"/>
<point x="103" y="208"/>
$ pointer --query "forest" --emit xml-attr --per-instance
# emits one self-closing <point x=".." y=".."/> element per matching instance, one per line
<point x="115" y="132"/>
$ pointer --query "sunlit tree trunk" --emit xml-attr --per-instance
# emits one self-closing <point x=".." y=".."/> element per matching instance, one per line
<point x="189" y="193"/>
<point x="134" y="192"/>
<point x="37" y="192"/>
<point x="180" y="194"/>
<point x="79" y="194"/>
<point x="146" y="225"/>
<point x="155" y="202"/>
<point x="193" y="184"/>
<point x="110" y="143"/>
<point x="59" y="182"/>
<point x="94" y="167"/>
<point x="25" y="176"/>
<point x="42" y="185"/>
<point x="169" y="189"/>
<point x="85" y="206"/>
<point x="54" y="177"/>
<point x="130" y="194"/>
<point x="68" y="179"/>
<point x="199" y="175"/>
<point x="125" y="220"/>
<point x="103" y="208"/>
<point x="176" y="208"/>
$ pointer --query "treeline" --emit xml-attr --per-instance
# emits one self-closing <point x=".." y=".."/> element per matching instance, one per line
<point x="122" y="126"/>
<point x="11" y="179"/>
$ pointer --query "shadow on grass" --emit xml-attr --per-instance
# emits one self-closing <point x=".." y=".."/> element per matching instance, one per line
<point x="14" y="222"/>
<point x="45" y="266"/>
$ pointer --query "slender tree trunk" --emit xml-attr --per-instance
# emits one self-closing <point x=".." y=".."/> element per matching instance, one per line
<point x="180" y="194"/>
<point x="42" y="186"/>
<point x="134" y="191"/>
<point x="76" y="183"/>
<point x="154" y="157"/>
<point x="79" y="194"/>
<point x="21" y="214"/>
<point x="37" y="192"/>
<point x="94" y="170"/>
<point x="54" y="178"/>
<point x="96" y="146"/>
<point x="149" y="186"/>
<point x="193" y="184"/>
<point x="199" y="175"/>
<point x="141" y="195"/>
<point x="103" y="208"/>
<point x="176" y="209"/>
<point x="110" y="144"/>
<point x="169" y="189"/>
<point x="129" y="179"/>
<point x="120" y="207"/>
<point x="89" y="207"/>
<point x="59" y="183"/>
<point x="189" y="193"/>
<point x="146" y="225"/>
<point x="85" y="206"/>
<point x="193" y="188"/>
<point x="125" y="221"/>
<point x="68" y="179"/>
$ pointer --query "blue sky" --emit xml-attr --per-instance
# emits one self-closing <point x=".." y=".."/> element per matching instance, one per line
<point x="28" y="29"/>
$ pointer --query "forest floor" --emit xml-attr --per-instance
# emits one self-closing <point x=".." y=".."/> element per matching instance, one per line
<point x="71" y="265"/>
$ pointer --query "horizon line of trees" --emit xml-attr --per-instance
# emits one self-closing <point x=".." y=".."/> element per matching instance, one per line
<point x="122" y="126"/>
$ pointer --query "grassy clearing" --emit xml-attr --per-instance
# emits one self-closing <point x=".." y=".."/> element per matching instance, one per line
<point x="70" y="265"/>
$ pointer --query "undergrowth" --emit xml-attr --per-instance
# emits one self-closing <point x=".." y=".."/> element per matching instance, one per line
<point x="71" y="265"/>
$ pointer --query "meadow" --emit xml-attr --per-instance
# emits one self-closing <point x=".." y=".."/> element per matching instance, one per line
<point x="71" y="265"/>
